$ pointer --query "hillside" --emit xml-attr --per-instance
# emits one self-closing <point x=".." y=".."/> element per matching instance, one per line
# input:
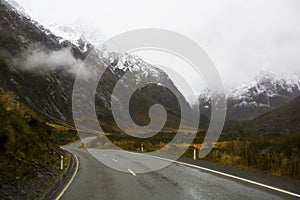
<point x="249" y="100"/>
<point x="29" y="68"/>
<point x="281" y="121"/>
<point x="268" y="143"/>
<point x="29" y="153"/>
<point x="284" y="120"/>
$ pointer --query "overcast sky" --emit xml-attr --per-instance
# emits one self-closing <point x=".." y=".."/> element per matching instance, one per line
<point x="241" y="37"/>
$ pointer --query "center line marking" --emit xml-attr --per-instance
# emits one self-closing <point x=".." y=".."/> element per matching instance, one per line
<point x="132" y="172"/>
<point x="115" y="160"/>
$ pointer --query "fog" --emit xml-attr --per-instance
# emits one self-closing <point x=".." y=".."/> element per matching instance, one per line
<point x="38" y="58"/>
<point x="241" y="37"/>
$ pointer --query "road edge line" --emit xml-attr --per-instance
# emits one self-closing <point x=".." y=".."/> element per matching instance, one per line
<point x="131" y="172"/>
<point x="220" y="173"/>
<point x="72" y="178"/>
<point x="228" y="175"/>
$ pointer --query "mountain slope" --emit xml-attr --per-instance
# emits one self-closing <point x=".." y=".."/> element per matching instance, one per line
<point x="281" y="121"/>
<point x="284" y="120"/>
<point x="28" y="150"/>
<point x="47" y="86"/>
<point x="266" y="93"/>
<point x="18" y="34"/>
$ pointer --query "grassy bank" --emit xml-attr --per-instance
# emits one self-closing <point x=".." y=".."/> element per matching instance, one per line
<point x="29" y="149"/>
<point x="278" y="156"/>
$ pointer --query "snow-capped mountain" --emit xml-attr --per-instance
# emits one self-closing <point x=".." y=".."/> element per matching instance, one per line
<point x="123" y="62"/>
<point x="262" y="91"/>
<point x="50" y="93"/>
<point x="84" y="37"/>
<point x="267" y="92"/>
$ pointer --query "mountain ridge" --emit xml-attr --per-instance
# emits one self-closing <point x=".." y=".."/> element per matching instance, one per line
<point x="50" y="93"/>
<point x="247" y="101"/>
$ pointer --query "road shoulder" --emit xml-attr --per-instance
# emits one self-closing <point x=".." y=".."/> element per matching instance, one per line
<point x="260" y="177"/>
<point x="64" y="180"/>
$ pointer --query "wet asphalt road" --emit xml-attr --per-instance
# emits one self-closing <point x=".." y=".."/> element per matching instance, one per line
<point x="95" y="180"/>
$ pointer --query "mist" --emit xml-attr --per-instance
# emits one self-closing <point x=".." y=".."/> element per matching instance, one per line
<point x="40" y="59"/>
<point x="241" y="37"/>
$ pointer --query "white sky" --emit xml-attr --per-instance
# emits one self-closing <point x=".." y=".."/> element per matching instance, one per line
<point x="241" y="37"/>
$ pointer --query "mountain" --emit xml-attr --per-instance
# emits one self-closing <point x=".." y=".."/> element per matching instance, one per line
<point x="267" y="92"/>
<point x="284" y="120"/>
<point x="48" y="93"/>
<point x="29" y="67"/>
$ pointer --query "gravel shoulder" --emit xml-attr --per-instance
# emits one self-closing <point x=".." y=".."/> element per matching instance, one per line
<point x="55" y="189"/>
<point x="46" y="184"/>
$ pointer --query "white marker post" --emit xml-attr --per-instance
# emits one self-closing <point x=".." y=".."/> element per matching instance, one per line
<point x="142" y="147"/>
<point x="61" y="162"/>
<point x="195" y="152"/>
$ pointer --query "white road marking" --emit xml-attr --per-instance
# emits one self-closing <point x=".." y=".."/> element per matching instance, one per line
<point x="72" y="178"/>
<point x="190" y="165"/>
<point x="229" y="175"/>
<point x="217" y="172"/>
<point x="115" y="160"/>
<point x="132" y="172"/>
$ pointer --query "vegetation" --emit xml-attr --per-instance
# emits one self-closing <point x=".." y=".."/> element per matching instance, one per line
<point x="279" y="122"/>
<point x="27" y="143"/>
<point x="278" y="156"/>
<point x="133" y="144"/>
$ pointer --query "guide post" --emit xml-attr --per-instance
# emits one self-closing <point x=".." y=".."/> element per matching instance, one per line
<point x="195" y="152"/>
<point x="61" y="162"/>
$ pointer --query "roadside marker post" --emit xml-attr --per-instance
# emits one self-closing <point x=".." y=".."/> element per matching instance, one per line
<point x="195" y="152"/>
<point x="142" y="147"/>
<point x="61" y="162"/>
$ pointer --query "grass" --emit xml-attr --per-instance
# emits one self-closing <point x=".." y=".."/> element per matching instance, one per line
<point x="278" y="156"/>
<point x="28" y="143"/>
<point x="275" y="155"/>
<point x="27" y="140"/>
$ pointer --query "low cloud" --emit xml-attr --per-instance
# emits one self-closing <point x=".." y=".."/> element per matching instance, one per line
<point x="37" y="58"/>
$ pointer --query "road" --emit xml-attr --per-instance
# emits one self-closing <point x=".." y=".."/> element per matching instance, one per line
<point x="95" y="180"/>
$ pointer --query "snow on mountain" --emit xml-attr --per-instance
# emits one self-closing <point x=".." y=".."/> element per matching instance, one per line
<point x="265" y="93"/>
<point x="50" y="93"/>
<point x="16" y="7"/>
<point x="83" y="36"/>
<point x="123" y="62"/>
<point x="265" y="86"/>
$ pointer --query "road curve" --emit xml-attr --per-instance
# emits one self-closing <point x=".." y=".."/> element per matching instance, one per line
<point x="95" y="180"/>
